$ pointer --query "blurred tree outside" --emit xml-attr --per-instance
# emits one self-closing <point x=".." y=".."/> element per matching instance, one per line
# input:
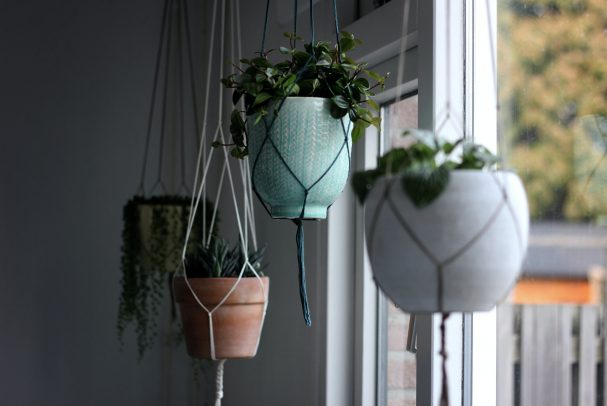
<point x="552" y="59"/>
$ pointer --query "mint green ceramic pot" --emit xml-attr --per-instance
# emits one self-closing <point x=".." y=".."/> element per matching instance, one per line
<point x="308" y="139"/>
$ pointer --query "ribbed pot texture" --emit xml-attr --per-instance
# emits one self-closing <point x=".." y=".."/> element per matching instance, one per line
<point x="463" y="252"/>
<point x="309" y="140"/>
<point x="237" y="322"/>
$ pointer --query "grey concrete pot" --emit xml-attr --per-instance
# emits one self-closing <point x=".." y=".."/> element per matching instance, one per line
<point x="463" y="252"/>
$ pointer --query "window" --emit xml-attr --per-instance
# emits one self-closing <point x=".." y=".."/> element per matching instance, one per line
<point x="396" y="369"/>
<point x="553" y="93"/>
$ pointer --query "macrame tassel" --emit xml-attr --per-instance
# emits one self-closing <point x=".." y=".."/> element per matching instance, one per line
<point x="219" y="382"/>
<point x="303" y="294"/>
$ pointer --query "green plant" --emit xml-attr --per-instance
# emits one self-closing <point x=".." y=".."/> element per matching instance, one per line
<point x="152" y="239"/>
<point x="321" y="69"/>
<point x="424" y="166"/>
<point x="218" y="260"/>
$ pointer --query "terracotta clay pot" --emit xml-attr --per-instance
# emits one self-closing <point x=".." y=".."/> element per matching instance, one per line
<point x="237" y="322"/>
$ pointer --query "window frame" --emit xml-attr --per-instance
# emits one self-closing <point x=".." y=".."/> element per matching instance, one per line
<point x="471" y="363"/>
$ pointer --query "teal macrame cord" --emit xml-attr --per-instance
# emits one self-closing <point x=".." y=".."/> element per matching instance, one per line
<point x="303" y="294"/>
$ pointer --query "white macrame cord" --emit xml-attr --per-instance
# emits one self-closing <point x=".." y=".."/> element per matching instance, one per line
<point x="200" y="185"/>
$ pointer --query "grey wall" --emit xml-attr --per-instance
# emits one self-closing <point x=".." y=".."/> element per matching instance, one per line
<point x="75" y="81"/>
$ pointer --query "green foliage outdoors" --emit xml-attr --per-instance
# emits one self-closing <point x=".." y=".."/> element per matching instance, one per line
<point x="321" y="69"/>
<point x="553" y="94"/>
<point x="218" y="260"/>
<point x="424" y="166"/>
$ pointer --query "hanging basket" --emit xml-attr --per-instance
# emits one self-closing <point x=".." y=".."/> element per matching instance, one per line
<point x="237" y="322"/>
<point x="162" y="225"/>
<point x="303" y="161"/>
<point x="462" y="252"/>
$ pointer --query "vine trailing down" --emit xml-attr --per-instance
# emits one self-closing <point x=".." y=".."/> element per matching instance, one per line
<point x="320" y="71"/>
<point x="156" y="217"/>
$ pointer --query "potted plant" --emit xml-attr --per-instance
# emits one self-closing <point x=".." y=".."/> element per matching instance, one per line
<point x="444" y="233"/>
<point x="233" y="292"/>
<point x="299" y="118"/>
<point x="152" y="240"/>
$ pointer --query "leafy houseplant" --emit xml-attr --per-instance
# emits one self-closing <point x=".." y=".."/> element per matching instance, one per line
<point x="444" y="233"/>
<point x="320" y="70"/>
<point x="238" y="305"/>
<point x="296" y="123"/>
<point x="152" y="240"/>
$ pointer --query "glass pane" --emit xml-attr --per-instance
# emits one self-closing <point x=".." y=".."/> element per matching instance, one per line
<point x="553" y="95"/>
<point x="399" y="374"/>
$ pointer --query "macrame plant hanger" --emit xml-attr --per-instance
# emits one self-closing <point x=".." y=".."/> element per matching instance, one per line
<point x="175" y="21"/>
<point x="246" y="222"/>
<point x="268" y="142"/>
<point x="448" y="117"/>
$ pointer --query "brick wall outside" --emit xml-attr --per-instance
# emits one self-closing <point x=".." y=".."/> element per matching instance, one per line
<point x="401" y="364"/>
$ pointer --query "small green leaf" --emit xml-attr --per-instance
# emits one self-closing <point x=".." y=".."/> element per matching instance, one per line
<point x="362" y="83"/>
<point x="340" y="102"/>
<point x="258" y="119"/>
<point x="375" y="76"/>
<point x="358" y="131"/>
<point x="293" y="89"/>
<point x="373" y="104"/>
<point x="424" y="185"/>
<point x="362" y="183"/>
<point x="239" y="152"/>
<point x="260" y="98"/>
<point x="376" y="122"/>
<point x="346" y="44"/>
<point x="337" y="112"/>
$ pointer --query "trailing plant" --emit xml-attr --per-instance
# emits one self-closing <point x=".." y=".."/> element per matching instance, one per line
<point x="320" y="69"/>
<point x="218" y="260"/>
<point x="151" y="251"/>
<point x="424" y="166"/>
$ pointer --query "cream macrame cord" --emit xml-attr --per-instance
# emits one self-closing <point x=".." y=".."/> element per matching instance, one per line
<point x="203" y="163"/>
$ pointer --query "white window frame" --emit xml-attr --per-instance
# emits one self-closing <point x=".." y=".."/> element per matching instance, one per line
<point x="471" y="338"/>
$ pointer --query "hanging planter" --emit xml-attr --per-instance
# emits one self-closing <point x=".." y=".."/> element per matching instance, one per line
<point x="299" y="120"/>
<point x="234" y="307"/>
<point x="156" y="218"/>
<point x="236" y="325"/>
<point x="443" y="235"/>
<point x="152" y="242"/>
<point x="305" y="146"/>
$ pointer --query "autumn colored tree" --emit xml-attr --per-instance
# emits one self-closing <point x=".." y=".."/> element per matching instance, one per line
<point x="552" y="58"/>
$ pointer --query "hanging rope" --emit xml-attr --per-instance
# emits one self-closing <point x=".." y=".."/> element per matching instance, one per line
<point x="174" y="23"/>
<point x="199" y="190"/>
<point x="141" y="190"/>
<point x="268" y="142"/>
